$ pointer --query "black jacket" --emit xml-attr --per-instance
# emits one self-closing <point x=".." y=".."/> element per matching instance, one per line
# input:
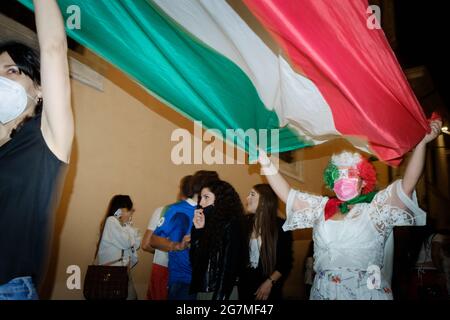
<point x="218" y="271"/>
<point x="252" y="278"/>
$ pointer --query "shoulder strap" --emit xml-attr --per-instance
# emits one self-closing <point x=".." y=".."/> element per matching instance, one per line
<point x="112" y="262"/>
<point x="99" y="240"/>
<point x="98" y="247"/>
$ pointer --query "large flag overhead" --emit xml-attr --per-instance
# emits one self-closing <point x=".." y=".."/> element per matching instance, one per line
<point x="187" y="75"/>
<point x="202" y="59"/>
<point x="352" y="65"/>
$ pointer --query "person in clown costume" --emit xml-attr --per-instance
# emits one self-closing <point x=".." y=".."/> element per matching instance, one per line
<point x="351" y="230"/>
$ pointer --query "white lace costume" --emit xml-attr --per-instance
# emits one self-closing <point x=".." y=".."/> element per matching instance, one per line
<point x="348" y="253"/>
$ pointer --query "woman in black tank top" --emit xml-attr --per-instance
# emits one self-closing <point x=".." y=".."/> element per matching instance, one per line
<point x="36" y="133"/>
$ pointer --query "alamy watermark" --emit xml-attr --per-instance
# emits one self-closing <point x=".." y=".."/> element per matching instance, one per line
<point x="73" y="21"/>
<point x="373" y="277"/>
<point x="73" y="281"/>
<point x="374" y="19"/>
<point x="221" y="150"/>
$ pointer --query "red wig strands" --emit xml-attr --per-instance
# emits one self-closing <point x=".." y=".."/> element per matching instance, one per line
<point x="368" y="175"/>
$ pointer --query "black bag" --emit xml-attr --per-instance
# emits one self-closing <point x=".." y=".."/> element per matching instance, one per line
<point x="106" y="282"/>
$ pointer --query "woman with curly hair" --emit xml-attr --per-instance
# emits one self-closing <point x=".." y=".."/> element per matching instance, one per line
<point x="217" y="242"/>
<point x="351" y="230"/>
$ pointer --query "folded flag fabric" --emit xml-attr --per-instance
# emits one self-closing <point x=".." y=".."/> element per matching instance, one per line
<point x="352" y="65"/>
<point x="201" y="58"/>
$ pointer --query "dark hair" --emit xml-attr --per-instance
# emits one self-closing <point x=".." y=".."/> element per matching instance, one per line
<point x="202" y="178"/>
<point x="117" y="202"/>
<point x="265" y="225"/>
<point x="26" y="59"/>
<point x="28" y="62"/>
<point x="227" y="208"/>
<point x="185" y="186"/>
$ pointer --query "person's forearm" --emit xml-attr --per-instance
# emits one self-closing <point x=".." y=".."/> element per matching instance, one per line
<point x="275" y="276"/>
<point x="277" y="182"/>
<point x="414" y="169"/>
<point x="162" y="244"/>
<point x="146" y="246"/>
<point x="49" y="25"/>
<point x="275" y="179"/>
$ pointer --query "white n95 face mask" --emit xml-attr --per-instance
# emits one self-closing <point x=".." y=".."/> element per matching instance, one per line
<point x="13" y="100"/>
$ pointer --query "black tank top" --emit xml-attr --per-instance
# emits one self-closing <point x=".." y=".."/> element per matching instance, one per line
<point x="29" y="181"/>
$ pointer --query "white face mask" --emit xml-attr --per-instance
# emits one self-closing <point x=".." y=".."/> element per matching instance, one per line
<point x="13" y="100"/>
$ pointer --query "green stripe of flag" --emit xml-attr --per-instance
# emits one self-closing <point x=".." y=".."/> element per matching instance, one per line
<point x="142" y="41"/>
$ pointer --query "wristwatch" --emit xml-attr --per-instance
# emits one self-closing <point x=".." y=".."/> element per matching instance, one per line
<point x="272" y="280"/>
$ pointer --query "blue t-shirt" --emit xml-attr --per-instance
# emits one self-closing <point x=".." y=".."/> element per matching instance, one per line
<point x="176" y="223"/>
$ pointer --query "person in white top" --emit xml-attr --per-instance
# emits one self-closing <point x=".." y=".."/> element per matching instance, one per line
<point x="157" y="287"/>
<point x="119" y="240"/>
<point x="350" y="231"/>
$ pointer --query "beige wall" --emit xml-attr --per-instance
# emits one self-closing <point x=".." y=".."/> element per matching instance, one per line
<point x="123" y="145"/>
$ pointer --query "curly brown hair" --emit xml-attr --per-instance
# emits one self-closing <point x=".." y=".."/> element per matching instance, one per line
<point x="228" y="208"/>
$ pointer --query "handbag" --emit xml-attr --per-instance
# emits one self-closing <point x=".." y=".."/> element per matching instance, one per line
<point x="106" y="282"/>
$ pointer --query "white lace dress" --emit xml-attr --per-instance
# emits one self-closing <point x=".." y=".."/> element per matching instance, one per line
<point x="348" y="254"/>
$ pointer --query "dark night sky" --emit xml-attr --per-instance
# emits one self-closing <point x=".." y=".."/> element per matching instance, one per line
<point x="423" y="39"/>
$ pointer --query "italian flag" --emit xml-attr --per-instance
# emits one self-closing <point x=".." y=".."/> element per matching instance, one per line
<point x="332" y="76"/>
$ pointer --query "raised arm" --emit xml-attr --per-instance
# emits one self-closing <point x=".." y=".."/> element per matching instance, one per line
<point x="302" y="209"/>
<point x="417" y="161"/>
<point x="57" y="118"/>
<point x="275" y="179"/>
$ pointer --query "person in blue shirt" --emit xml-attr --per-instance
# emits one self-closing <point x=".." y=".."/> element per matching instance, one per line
<point x="173" y="236"/>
